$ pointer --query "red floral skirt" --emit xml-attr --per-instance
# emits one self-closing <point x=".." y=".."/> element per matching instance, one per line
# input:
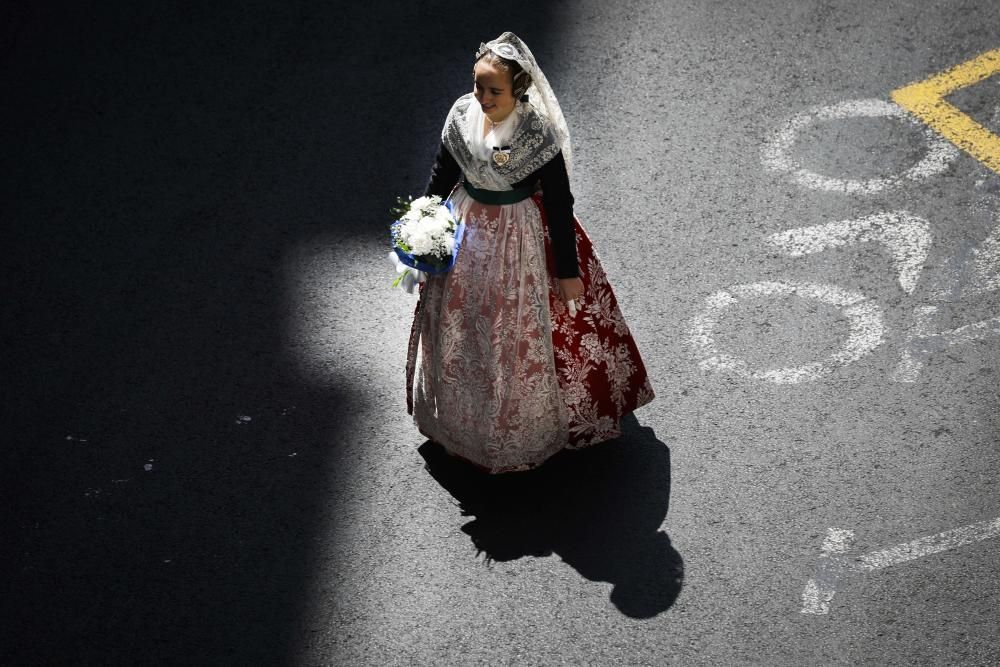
<point x="505" y="376"/>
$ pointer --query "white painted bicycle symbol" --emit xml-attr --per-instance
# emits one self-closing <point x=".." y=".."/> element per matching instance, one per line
<point x="905" y="236"/>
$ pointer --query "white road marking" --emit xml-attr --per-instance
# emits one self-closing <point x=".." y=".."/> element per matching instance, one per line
<point x="986" y="262"/>
<point x="822" y="587"/>
<point x="834" y="562"/>
<point x="816" y="600"/>
<point x="969" y="332"/>
<point x="776" y="153"/>
<point x="838" y="541"/>
<point x="925" y="546"/>
<point x="921" y="342"/>
<point x="910" y="364"/>
<point x="866" y="329"/>
<point x="906" y="236"/>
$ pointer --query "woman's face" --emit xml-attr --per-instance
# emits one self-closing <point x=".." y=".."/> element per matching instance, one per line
<point x="494" y="89"/>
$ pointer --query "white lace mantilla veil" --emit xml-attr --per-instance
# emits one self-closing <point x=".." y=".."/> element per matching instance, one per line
<point x="538" y="134"/>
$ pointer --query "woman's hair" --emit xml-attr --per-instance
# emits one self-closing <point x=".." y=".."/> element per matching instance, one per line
<point x="521" y="79"/>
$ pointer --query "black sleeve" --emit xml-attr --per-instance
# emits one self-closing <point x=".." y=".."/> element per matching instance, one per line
<point x="444" y="174"/>
<point x="558" y="201"/>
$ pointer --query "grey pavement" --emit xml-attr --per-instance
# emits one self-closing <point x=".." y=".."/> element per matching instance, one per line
<point x="210" y="460"/>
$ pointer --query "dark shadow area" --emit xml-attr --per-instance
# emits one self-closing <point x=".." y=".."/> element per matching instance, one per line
<point x="160" y="160"/>
<point x="144" y="327"/>
<point x="599" y="509"/>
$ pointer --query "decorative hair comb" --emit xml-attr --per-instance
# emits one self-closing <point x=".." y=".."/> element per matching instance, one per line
<point x="505" y="50"/>
<point x="502" y="49"/>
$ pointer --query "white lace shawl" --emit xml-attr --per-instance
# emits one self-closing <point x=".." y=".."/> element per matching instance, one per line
<point x="529" y="134"/>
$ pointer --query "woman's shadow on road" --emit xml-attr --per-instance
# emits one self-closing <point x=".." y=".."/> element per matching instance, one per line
<point x="599" y="509"/>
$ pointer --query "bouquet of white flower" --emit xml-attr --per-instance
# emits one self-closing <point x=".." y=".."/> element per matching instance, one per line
<point x="425" y="240"/>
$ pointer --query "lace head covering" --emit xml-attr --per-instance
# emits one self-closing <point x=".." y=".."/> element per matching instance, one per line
<point x="510" y="46"/>
<point x="535" y="134"/>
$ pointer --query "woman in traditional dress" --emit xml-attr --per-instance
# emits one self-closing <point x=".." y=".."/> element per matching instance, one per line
<point x="522" y="348"/>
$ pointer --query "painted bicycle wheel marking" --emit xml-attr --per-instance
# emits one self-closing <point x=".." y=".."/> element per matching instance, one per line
<point x="866" y="329"/>
<point x="776" y="153"/>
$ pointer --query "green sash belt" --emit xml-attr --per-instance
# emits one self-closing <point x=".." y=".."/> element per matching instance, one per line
<point x="498" y="196"/>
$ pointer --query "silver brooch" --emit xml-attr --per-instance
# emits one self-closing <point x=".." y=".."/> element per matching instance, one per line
<point x="501" y="155"/>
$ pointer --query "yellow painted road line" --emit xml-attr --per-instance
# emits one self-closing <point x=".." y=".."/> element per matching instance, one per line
<point x="925" y="100"/>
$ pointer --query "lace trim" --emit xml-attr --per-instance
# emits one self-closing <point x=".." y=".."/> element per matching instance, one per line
<point x="533" y="143"/>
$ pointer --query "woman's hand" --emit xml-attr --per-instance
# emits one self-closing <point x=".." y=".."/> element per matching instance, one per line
<point x="570" y="289"/>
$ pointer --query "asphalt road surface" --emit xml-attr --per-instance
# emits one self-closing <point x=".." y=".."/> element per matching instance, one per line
<point x="209" y="458"/>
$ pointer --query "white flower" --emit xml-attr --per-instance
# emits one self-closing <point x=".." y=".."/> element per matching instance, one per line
<point x="434" y="226"/>
<point x="420" y="242"/>
<point x="420" y="202"/>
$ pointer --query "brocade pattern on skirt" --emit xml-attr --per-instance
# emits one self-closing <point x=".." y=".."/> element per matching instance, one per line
<point x="505" y="377"/>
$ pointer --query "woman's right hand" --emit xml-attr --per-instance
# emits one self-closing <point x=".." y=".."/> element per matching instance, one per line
<point x="570" y="289"/>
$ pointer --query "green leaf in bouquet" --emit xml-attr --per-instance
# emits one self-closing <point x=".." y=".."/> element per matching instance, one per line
<point x="399" y="278"/>
<point x="402" y="205"/>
